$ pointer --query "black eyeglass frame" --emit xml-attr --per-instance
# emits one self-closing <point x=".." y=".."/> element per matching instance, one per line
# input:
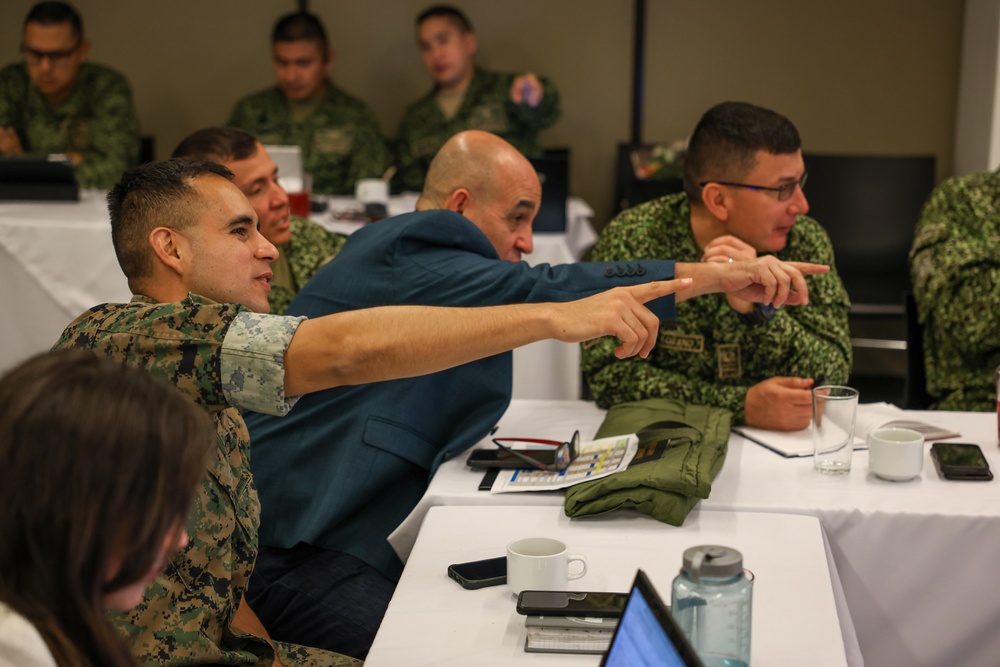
<point x="53" y="57"/>
<point x="785" y="191"/>
<point x="565" y="452"/>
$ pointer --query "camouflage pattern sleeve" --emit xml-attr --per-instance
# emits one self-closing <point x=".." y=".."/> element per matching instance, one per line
<point x="540" y="117"/>
<point x="955" y="268"/>
<point x="252" y="365"/>
<point x="293" y="655"/>
<point x="113" y="142"/>
<point x="13" y="91"/>
<point x="712" y="356"/>
<point x="311" y="247"/>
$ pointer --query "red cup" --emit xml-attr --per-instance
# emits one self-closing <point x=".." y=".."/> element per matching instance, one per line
<point x="298" y="204"/>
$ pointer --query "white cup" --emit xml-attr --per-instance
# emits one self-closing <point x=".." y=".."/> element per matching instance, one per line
<point x="896" y="454"/>
<point x="372" y="191"/>
<point x="540" y="564"/>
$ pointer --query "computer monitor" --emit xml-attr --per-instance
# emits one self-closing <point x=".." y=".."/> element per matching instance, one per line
<point x="647" y="635"/>
<point x="553" y="172"/>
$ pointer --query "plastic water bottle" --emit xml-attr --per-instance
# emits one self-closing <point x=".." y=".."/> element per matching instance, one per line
<point x="711" y="600"/>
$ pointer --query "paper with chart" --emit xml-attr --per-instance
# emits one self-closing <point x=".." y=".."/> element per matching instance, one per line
<point x="870" y="416"/>
<point x="594" y="460"/>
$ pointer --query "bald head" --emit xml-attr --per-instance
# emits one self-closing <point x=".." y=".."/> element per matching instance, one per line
<point x="487" y="180"/>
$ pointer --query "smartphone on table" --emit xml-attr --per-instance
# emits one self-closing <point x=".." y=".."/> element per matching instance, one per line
<point x="480" y="573"/>
<point x="961" y="461"/>
<point x="571" y="603"/>
<point x="508" y="460"/>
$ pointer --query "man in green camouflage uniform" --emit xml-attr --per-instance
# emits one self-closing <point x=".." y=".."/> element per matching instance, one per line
<point x="742" y="198"/>
<point x="187" y="240"/>
<point x="340" y="137"/>
<point x="955" y="266"/>
<point x="303" y="246"/>
<point x="57" y="102"/>
<point x="466" y="97"/>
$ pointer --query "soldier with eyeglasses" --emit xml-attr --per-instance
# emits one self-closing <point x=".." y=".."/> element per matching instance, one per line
<point x="54" y="101"/>
<point x="743" y="197"/>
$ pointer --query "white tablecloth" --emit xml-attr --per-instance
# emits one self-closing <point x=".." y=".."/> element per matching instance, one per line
<point x="56" y="261"/>
<point x="915" y="558"/>
<point x="433" y="621"/>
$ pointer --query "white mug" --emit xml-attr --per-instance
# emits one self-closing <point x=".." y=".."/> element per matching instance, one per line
<point x="371" y="191"/>
<point x="895" y="454"/>
<point x="540" y="564"/>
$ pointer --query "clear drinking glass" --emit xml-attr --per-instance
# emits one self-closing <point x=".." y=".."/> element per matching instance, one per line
<point x="835" y="410"/>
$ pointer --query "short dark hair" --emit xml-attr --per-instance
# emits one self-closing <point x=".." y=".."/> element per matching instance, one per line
<point x="300" y="27"/>
<point x="100" y="464"/>
<point x="217" y="144"/>
<point x="453" y="14"/>
<point x="54" y="13"/>
<point x="156" y="194"/>
<point x="726" y="140"/>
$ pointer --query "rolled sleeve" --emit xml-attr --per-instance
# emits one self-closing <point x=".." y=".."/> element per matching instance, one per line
<point x="253" y="362"/>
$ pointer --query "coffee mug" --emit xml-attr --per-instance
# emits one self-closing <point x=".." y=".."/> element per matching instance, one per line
<point x="372" y="191"/>
<point x="540" y="564"/>
<point x="895" y="454"/>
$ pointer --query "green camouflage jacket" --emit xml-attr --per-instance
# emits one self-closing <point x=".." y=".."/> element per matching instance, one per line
<point x="341" y="141"/>
<point x="222" y="357"/>
<point x="311" y="247"/>
<point x="955" y="266"/>
<point x="486" y="106"/>
<point x="713" y="356"/>
<point x="97" y="120"/>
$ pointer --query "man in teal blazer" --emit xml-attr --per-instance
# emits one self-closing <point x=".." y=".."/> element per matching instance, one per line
<point x="346" y="466"/>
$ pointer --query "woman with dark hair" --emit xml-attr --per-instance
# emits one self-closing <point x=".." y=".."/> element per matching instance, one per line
<point x="98" y="467"/>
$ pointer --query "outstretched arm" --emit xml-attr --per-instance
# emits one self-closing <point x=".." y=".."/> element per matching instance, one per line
<point x="374" y="344"/>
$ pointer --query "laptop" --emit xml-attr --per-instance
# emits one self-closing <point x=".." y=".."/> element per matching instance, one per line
<point x="553" y="172"/>
<point x="647" y="635"/>
<point x="37" y="179"/>
<point x="288" y="160"/>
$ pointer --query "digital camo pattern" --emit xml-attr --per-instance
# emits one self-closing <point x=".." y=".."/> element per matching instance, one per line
<point x="185" y="617"/>
<point x="955" y="267"/>
<point x="713" y="357"/>
<point x="486" y="106"/>
<point x="98" y="121"/>
<point x="311" y="247"/>
<point x="341" y="141"/>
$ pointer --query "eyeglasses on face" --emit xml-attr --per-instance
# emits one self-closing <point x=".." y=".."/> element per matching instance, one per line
<point x="35" y="57"/>
<point x="784" y="191"/>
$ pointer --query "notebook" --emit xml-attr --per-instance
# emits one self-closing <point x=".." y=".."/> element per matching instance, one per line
<point x="37" y="179"/>
<point x="647" y="635"/>
<point x="553" y="172"/>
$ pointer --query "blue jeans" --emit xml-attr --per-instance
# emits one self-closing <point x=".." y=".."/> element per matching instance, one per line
<point x="325" y="599"/>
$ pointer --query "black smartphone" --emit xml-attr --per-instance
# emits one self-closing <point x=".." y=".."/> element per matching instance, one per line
<point x="961" y="461"/>
<point x="570" y="603"/>
<point x="499" y="458"/>
<point x="480" y="573"/>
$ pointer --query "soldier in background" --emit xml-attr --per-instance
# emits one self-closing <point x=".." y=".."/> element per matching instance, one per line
<point x="340" y="137"/>
<point x="467" y="97"/>
<point x="57" y="102"/>
<point x="955" y="267"/>
<point x="743" y="177"/>
<point x="303" y="245"/>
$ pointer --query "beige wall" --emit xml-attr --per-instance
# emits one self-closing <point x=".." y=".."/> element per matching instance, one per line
<point x="855" y="76"/>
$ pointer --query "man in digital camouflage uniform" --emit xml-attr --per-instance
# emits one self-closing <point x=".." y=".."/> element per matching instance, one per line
<point x="57" y="102"/>
<point x="467" y="97"/>
<point x="187" y="240"/>
<point x="303" y="245"/>
<point x="955" y="267"/>
<point x="742" y="198"/>
<point x="340" y="137"/>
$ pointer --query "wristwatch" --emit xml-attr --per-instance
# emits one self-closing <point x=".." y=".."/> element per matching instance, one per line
<point x="760" y="314"/>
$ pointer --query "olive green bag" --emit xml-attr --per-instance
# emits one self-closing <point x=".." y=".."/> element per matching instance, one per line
<point x="682" y="448"/>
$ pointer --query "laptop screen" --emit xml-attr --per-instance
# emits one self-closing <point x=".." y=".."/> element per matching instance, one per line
<point x="647" y="635"/>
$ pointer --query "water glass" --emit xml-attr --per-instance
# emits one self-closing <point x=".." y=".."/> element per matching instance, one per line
<point x="835" y="410"/>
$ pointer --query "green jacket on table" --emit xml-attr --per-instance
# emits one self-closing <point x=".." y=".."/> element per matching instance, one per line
<point x="955" y="267"/>
<point x="340" y="139"/>
<point x="713" y="356"/>
<point x="486" y="106"/>
<point x="311" y="247"/>
<point x="97" y="120"/>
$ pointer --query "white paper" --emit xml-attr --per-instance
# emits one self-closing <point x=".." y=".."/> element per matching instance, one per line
<point x="594" y="460"/>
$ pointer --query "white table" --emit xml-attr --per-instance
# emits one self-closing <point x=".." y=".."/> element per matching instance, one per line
<point x="56" y="261"/>
<point x="433" y="621"/>
<point x="915" y="558"/>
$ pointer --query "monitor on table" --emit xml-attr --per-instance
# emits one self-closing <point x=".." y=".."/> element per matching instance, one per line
<point x="553" y="173"/>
